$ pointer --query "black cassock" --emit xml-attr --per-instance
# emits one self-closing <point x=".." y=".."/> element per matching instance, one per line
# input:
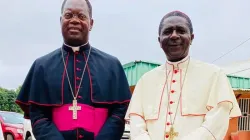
<point x="103" y="98"/>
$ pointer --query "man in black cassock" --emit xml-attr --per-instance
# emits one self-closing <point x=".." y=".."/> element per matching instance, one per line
<point x="76" y="92"/>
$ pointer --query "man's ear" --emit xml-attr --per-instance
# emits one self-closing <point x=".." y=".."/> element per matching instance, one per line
<point x="192" y="37"/>
<point x="159" y="40"/>
<point x="91" y="24"/>
<point x="61" y="20"/>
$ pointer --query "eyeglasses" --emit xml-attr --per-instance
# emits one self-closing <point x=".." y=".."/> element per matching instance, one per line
<point x="80" y="16"/>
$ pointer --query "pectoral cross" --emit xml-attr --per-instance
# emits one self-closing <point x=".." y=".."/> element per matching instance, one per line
<point x="171" y="134"/>
<point x="74" y="109"/>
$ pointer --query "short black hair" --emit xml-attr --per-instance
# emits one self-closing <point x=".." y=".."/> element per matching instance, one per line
<point x="88" y="4"/>
<point x="176" y="13"/>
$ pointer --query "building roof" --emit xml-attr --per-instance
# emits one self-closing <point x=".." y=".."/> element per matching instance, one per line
<point x="237" y="82"/>
<point x="134" y="70"/>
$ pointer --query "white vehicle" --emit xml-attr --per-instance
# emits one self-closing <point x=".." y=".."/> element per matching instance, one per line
<point x="1" y="132"/>
<point x="27" y="130"/>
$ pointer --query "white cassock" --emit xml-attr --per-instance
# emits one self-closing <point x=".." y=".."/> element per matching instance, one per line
<point x="206" y="102"/>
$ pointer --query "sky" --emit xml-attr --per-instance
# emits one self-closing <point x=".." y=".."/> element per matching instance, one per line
<point x="126" y="29"/>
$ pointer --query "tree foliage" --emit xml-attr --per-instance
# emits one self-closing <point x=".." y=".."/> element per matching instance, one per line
<point x="7" y="100"/>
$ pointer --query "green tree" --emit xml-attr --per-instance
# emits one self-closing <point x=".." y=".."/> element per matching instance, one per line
<point x="7" y="100"/>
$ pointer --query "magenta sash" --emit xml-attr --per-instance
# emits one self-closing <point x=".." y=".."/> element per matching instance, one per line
<point x="89" y="118"/>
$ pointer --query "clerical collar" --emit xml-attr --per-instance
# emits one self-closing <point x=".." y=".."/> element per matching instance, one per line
<point x="179" y="64"/>
<point x="73" y="49"/>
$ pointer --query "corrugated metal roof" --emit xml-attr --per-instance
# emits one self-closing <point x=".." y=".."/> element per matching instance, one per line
<point x="134" y="71"/>
<point x="239" y="82"/>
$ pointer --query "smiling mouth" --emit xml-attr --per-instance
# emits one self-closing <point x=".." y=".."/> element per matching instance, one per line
<point x="74" y="29"/>
<point x="174" y="45"/>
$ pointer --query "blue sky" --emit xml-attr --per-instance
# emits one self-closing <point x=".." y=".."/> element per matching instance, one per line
<point x="126" y="29"/>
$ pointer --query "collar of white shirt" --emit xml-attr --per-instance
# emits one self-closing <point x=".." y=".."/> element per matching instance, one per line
<point x="179" y="64"/>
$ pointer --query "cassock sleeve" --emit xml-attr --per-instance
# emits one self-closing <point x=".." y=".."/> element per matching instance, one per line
<point x="135" y="114"/>
<point x="215" y="125"/>
<point x="113" y="128"/>
<point x="36" y="105"/>
<point x="138" y="128"/>
<point x="221" y="91"/>
<point x="222" y="105"/>
<point x="42" y="126"/>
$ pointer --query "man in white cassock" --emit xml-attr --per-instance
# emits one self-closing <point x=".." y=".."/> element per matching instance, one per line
<point x="184" y="99"/>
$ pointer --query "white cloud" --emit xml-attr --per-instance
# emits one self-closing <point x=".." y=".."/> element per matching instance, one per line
<point x="126" y="29"/>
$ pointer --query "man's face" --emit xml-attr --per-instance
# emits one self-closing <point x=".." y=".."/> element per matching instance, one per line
<point x="76" y="22"/>
<point x="175" y="38"/>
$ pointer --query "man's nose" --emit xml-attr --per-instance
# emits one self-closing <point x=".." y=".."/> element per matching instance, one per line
<point x="75" y="19"/>
<point x="174" y="35"/>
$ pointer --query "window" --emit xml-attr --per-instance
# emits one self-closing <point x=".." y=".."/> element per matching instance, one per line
<point x="244" y="121"/>
<point x="11" y="118"/>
